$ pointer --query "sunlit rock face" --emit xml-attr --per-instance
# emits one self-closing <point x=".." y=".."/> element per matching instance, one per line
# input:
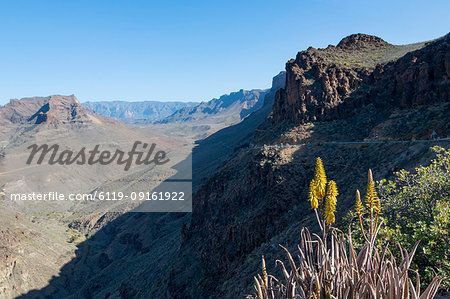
<point x="326" y="84"/>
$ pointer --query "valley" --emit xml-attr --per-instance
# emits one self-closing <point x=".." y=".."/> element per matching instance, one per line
<point x="248" y="157"/>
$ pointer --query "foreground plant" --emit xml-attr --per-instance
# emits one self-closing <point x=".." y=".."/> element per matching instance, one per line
<point x="328" y="266"/>
<point x="416" y="207"/>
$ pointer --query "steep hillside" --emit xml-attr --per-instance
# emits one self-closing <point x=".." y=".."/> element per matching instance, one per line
<point x="137" y="112"/>
<point x="259" y="198"/>
<point x="31" y="251"/>
<point x="38" y="237"/>
<point x="229" y="109"/>
<point x="212" y="152"/>
<point x="54" y="110"/>
<point x="327" y="84"/>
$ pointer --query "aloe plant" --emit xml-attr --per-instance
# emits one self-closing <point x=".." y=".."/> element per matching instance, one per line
<point x="328" y="266"/>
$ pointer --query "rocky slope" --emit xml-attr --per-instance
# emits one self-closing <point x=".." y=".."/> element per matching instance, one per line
<point x="54" y="110"/>
<point x="37" y="238"/>
<point x="230" y="108"/>
<point x="130" y="255"/>
<point x="31" y="251"/>
<point x="213" y="151"/>
<point x="327" y="84"/>
<point x="19" y="111"/>
<point x="258" y="199"/>
<point x="137" y="112"/>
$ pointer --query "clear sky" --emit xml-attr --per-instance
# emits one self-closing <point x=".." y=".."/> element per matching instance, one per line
<point x="184" y="50"/>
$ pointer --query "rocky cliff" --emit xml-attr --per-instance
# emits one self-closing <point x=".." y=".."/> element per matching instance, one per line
<point x="19" y="111"/>
<point x="258" y="198"/>
<point x="53" y="110"/>
<point x="327" y="84"/>
<point x="361" y="90"/>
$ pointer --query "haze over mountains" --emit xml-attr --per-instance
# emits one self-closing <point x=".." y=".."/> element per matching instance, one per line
<point x="42" y="235"/>
<point x="251" y="178"/>
<point x="230" y="108"/>
<point x="137" y="112"/>
<point x="63" y="121"/>
<point x="227" y="109"/>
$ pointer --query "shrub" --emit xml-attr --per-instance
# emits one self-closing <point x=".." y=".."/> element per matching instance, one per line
<point x="416" y="207"/>
<point x="329" y="266"/>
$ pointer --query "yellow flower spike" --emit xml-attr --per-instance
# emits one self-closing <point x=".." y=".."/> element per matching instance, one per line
<point x="359" y="208"/>
<point x="264" y="271"/>
<point x="320" y="179"/>
<point x="330" y="203"/>
<point x="377" y="206"/>
<point x="312" y="195"/>
<point x="372" y="201"/>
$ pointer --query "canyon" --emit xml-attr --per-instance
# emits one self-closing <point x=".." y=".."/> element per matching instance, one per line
<point x="360" y="104"/>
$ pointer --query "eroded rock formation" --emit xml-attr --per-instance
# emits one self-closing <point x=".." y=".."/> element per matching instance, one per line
<point x="326" y="84"/>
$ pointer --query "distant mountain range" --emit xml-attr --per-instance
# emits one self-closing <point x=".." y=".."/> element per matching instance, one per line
<point x="227" y="109"/>
<point x="217" y="148"/>
<point x="251" y="179"/>
<point x="230" y="108"/>
<point x="133" y="112"/>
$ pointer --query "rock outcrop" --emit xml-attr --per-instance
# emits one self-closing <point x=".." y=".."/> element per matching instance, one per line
<point x="326" y="84"/>
<point x="19" y="111"/>
<point x="53" y="110"/>
<point x="258" y="199"/>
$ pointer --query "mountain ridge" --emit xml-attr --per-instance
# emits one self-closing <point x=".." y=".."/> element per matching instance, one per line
<point x="139" y="111"/>
<point x="258" y="199"/>
<point x="231" y="108"/>
<point x="54" y="110"/>
<point x="321" y="87"/>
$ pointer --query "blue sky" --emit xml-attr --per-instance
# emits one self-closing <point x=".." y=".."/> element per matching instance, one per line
<point x="183" y="50"/>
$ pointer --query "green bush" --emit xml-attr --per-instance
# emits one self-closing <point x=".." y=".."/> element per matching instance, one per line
<point x="416" y="207"/>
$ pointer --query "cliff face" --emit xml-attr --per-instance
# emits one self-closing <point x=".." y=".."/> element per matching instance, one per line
<point x="53" y="110"/>
<point x="258" y="199"/>
<point x="418" y="78"/>
<point x="327" y="84"/>
<point x="19" y="111"/>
